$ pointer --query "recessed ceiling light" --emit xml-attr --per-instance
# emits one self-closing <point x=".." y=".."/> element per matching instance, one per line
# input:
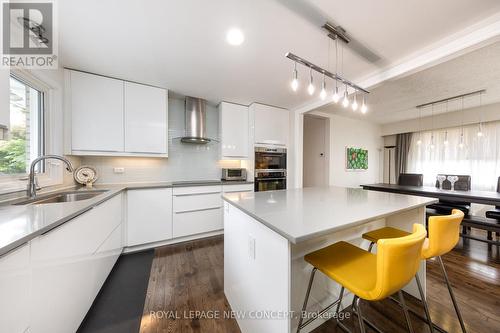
<point x="234" y="36"/>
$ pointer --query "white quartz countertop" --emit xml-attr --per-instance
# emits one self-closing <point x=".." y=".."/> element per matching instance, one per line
<point x="20" y="224"/>
<point x="302" y="214"/>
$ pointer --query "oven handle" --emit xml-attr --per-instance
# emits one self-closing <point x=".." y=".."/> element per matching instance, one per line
<point x="269" y="170"/>
<point x="262" y="179"/>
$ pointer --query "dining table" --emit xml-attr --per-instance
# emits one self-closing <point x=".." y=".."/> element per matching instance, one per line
<point x="479" y="197"/>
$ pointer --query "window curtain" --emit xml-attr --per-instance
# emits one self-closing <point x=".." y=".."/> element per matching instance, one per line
<point x="403" y="142"/>
<point x="479" y="157"/>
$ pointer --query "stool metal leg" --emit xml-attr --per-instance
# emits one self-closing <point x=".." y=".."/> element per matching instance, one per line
<point x="341" y="296"/>
<point x="424" y="301"/>
<point x="455" y="305"/>
<point x="405" y="311"/>
<point x="306" y="299"/>
<point x="360" y="315"/>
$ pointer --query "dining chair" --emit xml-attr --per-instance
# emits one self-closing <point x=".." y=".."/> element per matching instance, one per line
<point x="445" y="207"/>
<point x="411" y="179"/>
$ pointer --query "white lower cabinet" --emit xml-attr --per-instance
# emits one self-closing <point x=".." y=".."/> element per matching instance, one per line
<point x="70" y="264"/>
<point x="197" y="210"/>
<point x="15" y="277"/>
<point x="229" y="188"/>
<point x="149" y="216"/>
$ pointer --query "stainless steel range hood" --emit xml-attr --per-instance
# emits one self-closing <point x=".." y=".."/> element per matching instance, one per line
<point x="195" y="120"/>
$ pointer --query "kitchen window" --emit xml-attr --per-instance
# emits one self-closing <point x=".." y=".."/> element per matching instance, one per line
<point x="23" y="133"/>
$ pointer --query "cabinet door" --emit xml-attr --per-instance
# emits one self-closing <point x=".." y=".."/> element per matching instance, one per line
<point x="68" y="271"/>
<point x="149" y="216"/>
<point x="271" y="125"/>
<point x="234" y="130"/>
<point x="96" y="113"/>
<point x="15" y="277"/>
<point x="146" y="119"/>
<point x="187" y="223"/>
<point x="237" y="188"/>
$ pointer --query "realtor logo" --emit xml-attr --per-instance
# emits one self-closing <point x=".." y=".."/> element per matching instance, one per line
<point x="28" y="35"/>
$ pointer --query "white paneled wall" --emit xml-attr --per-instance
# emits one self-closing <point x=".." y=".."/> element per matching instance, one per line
<point x="185" y="161"/>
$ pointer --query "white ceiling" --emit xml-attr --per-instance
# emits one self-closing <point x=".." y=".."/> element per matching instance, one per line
<point x="395" y="100"/>
<point x="181" y="44"/>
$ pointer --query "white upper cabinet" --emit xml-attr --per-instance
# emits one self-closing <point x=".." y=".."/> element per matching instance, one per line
<point x="146" y="119"/>
<point x="96" y="113"/>
<point x="111" y="117"/>
<point x="271" y="124"/>
<point x="234" y="131"/>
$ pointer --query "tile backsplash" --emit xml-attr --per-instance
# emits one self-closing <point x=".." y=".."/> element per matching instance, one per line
<point x="184" y="162"/>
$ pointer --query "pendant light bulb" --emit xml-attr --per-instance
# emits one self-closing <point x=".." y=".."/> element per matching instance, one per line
<point x="345" y="101"/>
<point x="322" y="94"/>
<point x="310" y="87"/>
<point x="295" y="81"/>
<point x="432" y="146"/>
<point x="364" y="108"/>
<point x="336" y="95"/>
<point x="354" y="103"/>
<point x="446" y="142"/>
<point x="461" y="145"/>
<point x="419" y="141"/>
<point x="480" y="131"/>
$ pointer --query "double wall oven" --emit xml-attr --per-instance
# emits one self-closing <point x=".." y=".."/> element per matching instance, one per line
<point x="270" y="168"/>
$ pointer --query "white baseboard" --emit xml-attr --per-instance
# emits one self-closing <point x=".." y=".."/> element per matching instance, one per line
<point x="142" y="247"/>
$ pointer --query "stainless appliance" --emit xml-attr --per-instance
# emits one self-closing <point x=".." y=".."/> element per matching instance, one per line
<point x="195" y="120"/>
<point x="270" y="169"/>
<point x="234" y="174"/>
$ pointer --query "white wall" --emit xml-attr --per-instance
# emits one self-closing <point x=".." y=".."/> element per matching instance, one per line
<point x="354" y="133"/>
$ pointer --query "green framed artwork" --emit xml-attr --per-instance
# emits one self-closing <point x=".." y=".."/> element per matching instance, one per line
<point x="356" y="159"/>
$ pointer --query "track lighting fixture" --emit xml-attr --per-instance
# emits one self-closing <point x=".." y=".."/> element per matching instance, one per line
<point x="345" y="101"/>
<point x="310" y="87"/>
<point x="322" y="93"/>
<point x="295" y="81"/>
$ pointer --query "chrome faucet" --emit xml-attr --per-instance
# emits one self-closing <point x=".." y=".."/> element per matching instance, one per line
<point x="32" y="184"/>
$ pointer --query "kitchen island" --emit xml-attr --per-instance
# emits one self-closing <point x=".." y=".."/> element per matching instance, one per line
<point x="267" y="234"/>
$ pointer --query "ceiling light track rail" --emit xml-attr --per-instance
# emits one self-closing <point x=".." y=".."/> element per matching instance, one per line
<point x="441" y="101"/>
<point x="321" y="70"/>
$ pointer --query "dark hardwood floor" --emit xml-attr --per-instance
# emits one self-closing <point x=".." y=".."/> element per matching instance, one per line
<point x="189" y="277"/>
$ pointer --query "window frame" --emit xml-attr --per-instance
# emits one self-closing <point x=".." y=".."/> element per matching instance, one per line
<point x="51" y="170"/>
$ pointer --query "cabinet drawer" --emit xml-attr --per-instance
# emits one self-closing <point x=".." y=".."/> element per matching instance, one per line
<point x="197" y="202"/>
<point x="237" y="188"/>
<point x="82" y="235"/>
<point x="185" y="191"/>
<point x="190" y="223"/>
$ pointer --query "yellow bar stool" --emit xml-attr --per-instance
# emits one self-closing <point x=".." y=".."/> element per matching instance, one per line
<point x="444" y="232"/>
<point x="368" y="276"/>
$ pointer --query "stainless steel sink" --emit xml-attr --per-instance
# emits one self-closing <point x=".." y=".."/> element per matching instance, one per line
<point x="63" y="197"/>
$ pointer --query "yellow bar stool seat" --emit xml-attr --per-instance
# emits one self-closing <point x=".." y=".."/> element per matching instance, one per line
<point x="443" y="235"/>
<point x="369" y="276"/>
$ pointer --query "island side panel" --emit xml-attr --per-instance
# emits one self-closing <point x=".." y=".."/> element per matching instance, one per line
<point x="405" y="221"/>
<point x="256" y="273"/>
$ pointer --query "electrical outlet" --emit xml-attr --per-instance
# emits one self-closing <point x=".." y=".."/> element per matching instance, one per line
<point x="251" y="247"/>
<point x="119" y="170"/>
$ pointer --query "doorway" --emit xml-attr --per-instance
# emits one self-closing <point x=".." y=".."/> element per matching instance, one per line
<point x="316" y="151"/>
